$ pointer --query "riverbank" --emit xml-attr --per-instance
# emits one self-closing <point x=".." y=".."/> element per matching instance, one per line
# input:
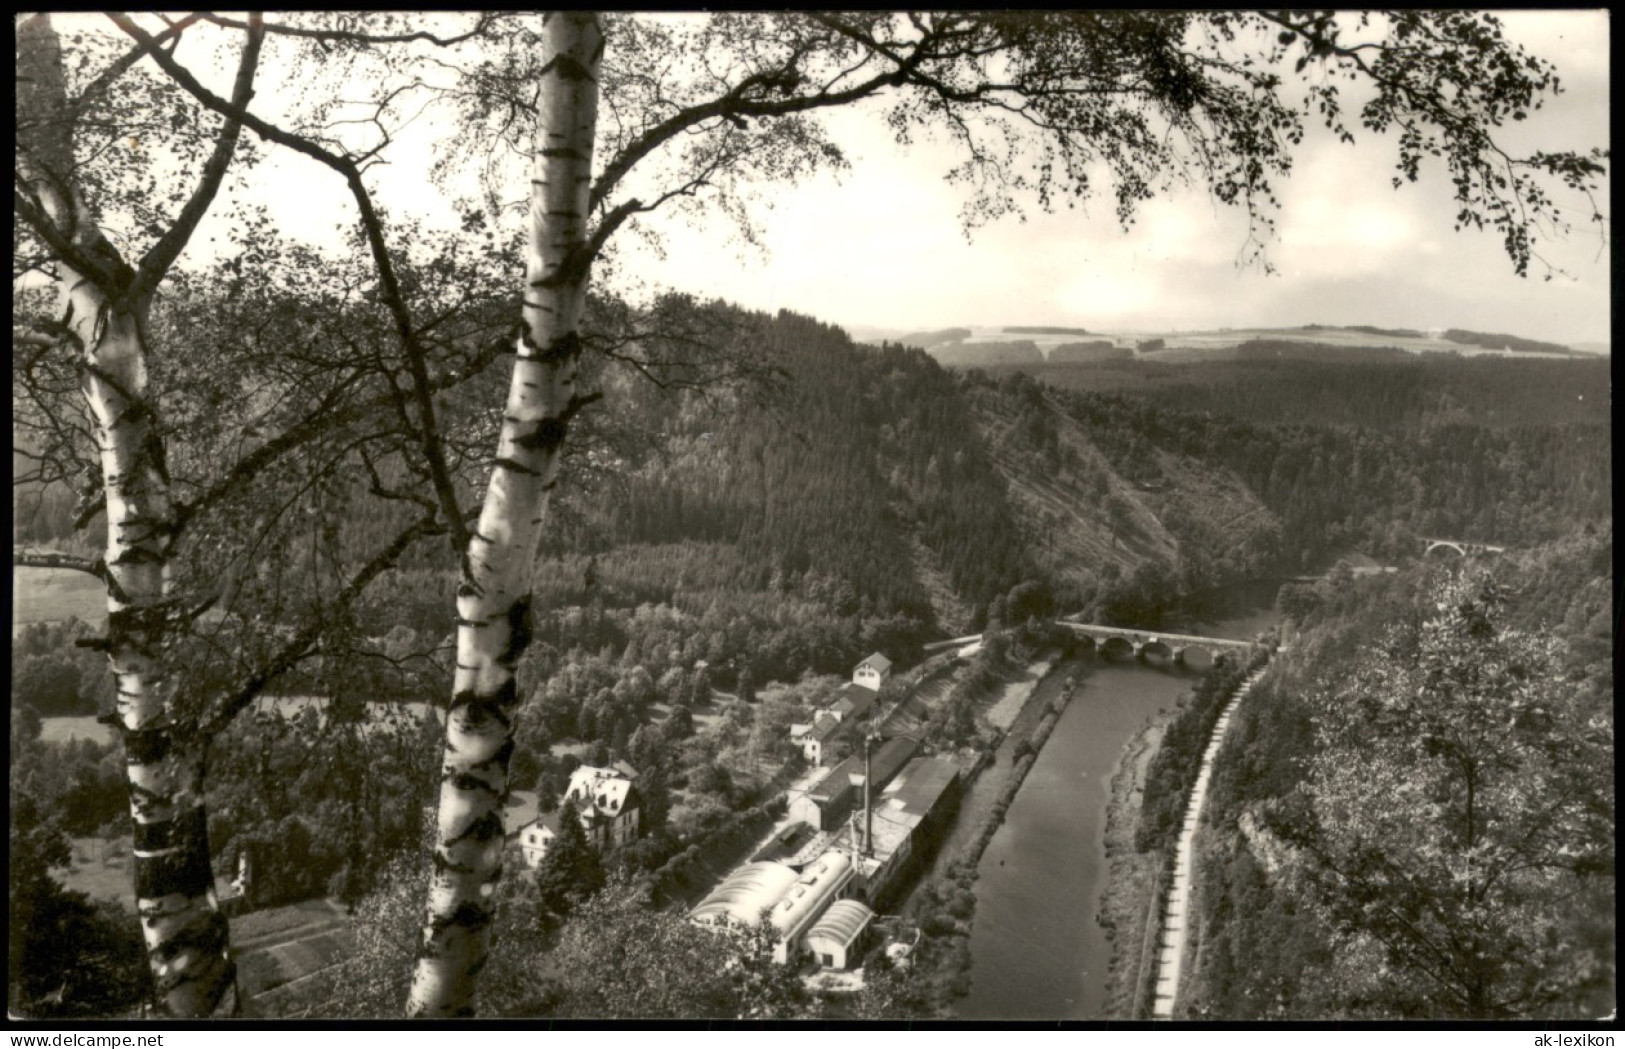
<point x="943" y="902"/>
<point x="982" y="780"/>
<point x="1129" y="901"/>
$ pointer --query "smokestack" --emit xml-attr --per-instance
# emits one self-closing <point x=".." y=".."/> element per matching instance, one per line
<point x="868" y="820"/>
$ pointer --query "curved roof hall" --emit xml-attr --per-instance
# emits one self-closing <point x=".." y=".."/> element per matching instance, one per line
<point x="822" y="879"/>
<point x="844" y="920"/>
<point x="744" y="894"/>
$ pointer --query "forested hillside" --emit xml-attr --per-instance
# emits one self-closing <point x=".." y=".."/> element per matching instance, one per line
<point x="860" y="484"/>
<point x="1121" y="534"/>
<point x="1335" y="489"/>
<point x="1414" y="816"/>
<point x="1334" y="387"/>
<point x="987" y="354"/>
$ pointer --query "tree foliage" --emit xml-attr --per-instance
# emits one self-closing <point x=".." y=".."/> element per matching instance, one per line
<point x="621" y="958"/>
<point x="1459" y="812"/>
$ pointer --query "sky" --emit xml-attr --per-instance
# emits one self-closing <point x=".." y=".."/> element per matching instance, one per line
<point x="882" y="246"/>
<point x="1350" y="249"/>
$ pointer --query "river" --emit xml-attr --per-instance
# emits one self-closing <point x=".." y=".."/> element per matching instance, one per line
<point x="1037" y="951"/>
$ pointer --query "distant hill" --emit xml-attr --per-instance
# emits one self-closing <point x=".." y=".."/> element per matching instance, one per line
<point x="927" y="339"/>
<point x="1506" y="342"/>
<point x="1044" y="330"/>
<point x="1297" y="384"/>
<point x="987" y="354"/>
<point x="1366" y="329"/>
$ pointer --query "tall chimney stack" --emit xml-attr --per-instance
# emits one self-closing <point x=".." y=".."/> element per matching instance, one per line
<point x="868" y="820"/>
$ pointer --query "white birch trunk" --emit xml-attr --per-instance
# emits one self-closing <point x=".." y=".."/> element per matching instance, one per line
<point x="185" y="933"/>
<point x="493" y="596"/>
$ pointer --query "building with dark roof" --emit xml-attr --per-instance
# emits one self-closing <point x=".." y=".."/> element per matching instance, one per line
<point x="872" y="672"/>
<point x="828" y="802"/>
<point x="814" y="739"/>
<point x="852" y="702"/>
<point x="907" y="818"/>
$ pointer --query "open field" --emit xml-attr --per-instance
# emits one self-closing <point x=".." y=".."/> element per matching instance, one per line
<point x="101" y="870"/>
<point x="61" y="730"/>
<point x="287" y="950"/>
<point x="50" y="595"/>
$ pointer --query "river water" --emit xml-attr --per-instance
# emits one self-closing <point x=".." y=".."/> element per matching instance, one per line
<point x="1037" y="951"/>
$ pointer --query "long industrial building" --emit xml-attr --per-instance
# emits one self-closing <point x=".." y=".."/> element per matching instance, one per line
<point x="815" y="884"/>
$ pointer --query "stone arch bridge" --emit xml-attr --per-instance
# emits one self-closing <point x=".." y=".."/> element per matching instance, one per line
<point x="1461" y="547"/>
<point x="1175" y="647"/>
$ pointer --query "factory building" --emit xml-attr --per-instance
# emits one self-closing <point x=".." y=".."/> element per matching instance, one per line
<point x="819" y="886"/>
<point x="827" y="803"/>
<point x="790" y="901"/>
<point x="907" y="818"/>
<point x="837" y="939"/>
<point x="745" y="894"/>
<point x="816" y="887"/>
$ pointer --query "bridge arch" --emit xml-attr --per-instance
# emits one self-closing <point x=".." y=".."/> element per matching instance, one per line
<point x="1446" y="545"/>
<point x="1116" y="647"/>
<point x="1156" y="651"/>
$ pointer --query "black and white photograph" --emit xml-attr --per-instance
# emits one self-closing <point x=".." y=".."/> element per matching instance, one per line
<point x="813" y="518"/>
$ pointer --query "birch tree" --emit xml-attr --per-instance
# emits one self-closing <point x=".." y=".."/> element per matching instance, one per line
<point x="493" y="593"/>
<point x="225" y="429"/>
<point x="104" y="307"/>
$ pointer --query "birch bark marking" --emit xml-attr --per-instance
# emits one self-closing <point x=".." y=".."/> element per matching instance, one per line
<point x="185" y="933"/>
<point x="493" y="595"/>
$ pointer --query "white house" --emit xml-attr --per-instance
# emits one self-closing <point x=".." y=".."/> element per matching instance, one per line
<point x="536" y="836"/>
<point x="851" y="702"/>
<point x="872" y="672"/>
<point x="813" y="738"/>
<point x="607" y="803"/>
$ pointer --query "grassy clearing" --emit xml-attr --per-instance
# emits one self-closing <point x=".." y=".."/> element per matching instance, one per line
<point x="61" y="730"/>
<point x="282" y="945"/>
<point x="101" y="870"/>
<point x="1013" y="696"/>
<point x="49" y="595"/>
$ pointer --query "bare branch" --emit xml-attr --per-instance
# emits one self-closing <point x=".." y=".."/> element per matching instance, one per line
<point x="353" y="37"/>
<point x="372" y="226"/>
<point x="163" y="254"/>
